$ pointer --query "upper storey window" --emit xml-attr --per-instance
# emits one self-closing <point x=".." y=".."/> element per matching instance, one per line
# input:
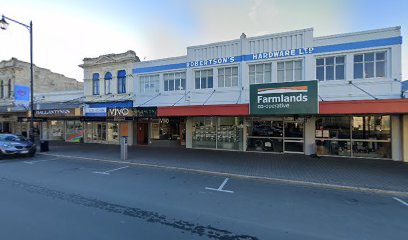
<point x="121" y="81"/>
<point x="228" y="77"/>
<point x="369" y="65"/>
<point x="290" y="71"/>
<point x="174" y="81"/>
<point x="330" y="68"/>
<point x="95" y="84"/>
<point x="108" y="81"/>
<point x="149" y="83"/>
<point x="204" y="79"/>
<point x="260" y="73"/>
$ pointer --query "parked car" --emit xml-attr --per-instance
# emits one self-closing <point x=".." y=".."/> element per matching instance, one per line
<point x="16" y="145"/>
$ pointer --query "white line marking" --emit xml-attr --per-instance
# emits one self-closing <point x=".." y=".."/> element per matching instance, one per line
<point x="36" y="161"/>
<point x="401" y="201"/>
<point x="220" y="188"/>
<point x="256" y="178"/>
<point x="108" y="172"/>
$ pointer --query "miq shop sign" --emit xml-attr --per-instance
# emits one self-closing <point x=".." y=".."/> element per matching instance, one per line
<point x="284" y="98"/>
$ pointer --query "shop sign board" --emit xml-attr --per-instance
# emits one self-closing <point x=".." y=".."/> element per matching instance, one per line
<point x="284" y="98"/>
<point x="95" y="112"/>
<point x="144" y="112"/>
<point x="55" y="113"/>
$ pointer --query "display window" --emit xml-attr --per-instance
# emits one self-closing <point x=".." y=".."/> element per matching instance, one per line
<point x="74" y="131"/>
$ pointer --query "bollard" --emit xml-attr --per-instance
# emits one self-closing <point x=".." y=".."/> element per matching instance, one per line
<point x="123" y="148"/>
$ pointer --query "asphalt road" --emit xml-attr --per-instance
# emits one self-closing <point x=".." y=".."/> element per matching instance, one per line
<point x="64" y="198"/>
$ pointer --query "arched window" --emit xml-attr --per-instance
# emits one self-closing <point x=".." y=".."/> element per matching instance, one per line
<point x="108" y="80"/>
<point x="121" y="81"/>
<point x="2" y="89"/>
<point x="95" y="84"/>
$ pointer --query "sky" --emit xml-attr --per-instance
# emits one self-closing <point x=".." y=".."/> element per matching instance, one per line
<point x="66" y="32"/>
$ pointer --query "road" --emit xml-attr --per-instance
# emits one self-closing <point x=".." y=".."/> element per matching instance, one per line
<point x="48" y="197"/>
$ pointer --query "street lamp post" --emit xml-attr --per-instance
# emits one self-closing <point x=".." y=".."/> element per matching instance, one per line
<point x="3" y="25"/>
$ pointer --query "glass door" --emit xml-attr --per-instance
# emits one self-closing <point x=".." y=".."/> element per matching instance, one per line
<point x="294" y="136"/>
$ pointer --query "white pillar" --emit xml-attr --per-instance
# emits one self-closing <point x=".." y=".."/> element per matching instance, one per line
<point x="396" y="138"/>
<point x="310" y="137"/>
<point x="189" y="133"/>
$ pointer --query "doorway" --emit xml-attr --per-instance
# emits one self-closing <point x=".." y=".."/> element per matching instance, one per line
<point x="293" y="139"/>
<point x="142" y="133"/>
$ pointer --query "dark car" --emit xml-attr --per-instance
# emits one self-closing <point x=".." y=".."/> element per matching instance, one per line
<point x="15" y="145"/>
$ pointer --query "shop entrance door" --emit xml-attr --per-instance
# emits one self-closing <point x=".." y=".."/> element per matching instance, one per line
<point x="142" y="133"/>
<point x="293" y="136"/>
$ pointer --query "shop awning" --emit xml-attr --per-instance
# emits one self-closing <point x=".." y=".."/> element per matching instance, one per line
<point x="364" y="106"/>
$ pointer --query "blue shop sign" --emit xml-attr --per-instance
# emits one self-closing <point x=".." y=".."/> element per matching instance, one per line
<point x="99" y="109"/>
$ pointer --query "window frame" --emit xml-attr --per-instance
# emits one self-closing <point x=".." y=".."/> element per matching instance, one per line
<point x="151" y="79"/>
<point x="374" y="61"/>
<point x="95" y="84"/>
<point x="263" y="72"/>
<point x="166" y="82"/>
<point x="201" y="78"/>
<point x="121" y="82"/>
<point x="108" y="83"/>
<point x="335" y="64"/>
<point x="285" y="70"/>
<point x="224" y="76"/>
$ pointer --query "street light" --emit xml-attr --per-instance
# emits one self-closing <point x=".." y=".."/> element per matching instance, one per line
<point x="3" y="25"/>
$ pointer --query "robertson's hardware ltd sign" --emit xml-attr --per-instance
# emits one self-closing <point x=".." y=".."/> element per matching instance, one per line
<point x="284" y="98"/>
<point x="133" y="112"/>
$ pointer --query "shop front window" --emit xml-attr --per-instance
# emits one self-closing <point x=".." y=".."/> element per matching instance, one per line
<point x="166" y="129"/>
<point x="113" y="132"/>
<point x="265" y="135"/>
<point x="56" y="130"/>
<point x="204" y="132"/>
<point x="74" y="131"/>
<point x="356" y="136"/>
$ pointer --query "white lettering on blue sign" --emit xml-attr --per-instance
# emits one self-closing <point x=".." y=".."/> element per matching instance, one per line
<point x="214" y="61"/>
<point x="284" y="53"/>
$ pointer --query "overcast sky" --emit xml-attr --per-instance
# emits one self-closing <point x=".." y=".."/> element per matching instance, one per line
<point x="65" y="32"/>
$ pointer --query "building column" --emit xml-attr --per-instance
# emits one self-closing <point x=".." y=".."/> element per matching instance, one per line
<point x="310" y="135"/>
<point x="396" y="138"/>
<point x="405" y="138"/>
<point x="189" y="133"/>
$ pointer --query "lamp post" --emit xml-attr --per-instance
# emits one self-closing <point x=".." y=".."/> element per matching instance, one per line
<point x="3" y="25"/>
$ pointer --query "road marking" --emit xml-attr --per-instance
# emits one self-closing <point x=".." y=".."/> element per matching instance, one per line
<point x="36" y="161"/>
<point x="108" y="172"/>
<point x="220" y="188"/>
<point x="401" y="201"/>
<point x="242" y="176"/>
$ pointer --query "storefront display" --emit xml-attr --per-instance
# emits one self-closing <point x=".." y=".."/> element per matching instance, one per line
<point x="354" y="136"/>
<point x="172" y="129"/>
<point x="74" y="131"/>
<point x="102" y="132"/>
<point x="219" y="133"/>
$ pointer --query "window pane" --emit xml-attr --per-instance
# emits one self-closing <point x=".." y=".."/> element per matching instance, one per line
<point x="221" y="71"/>
<point x="251" y="78"/>
<point x="234" y="81"/>
<point x="177" y="84"/>
<point x="319" y="61"/>
<point x="259" y="68"/>
<point x="252" y="68"/>
<point x="298" y="74"/>
<point x="369" y="69"/>
<point x="197" y="83"/>
<point x="340" y="72"/>
<point x="183" y="84"/>
<point x="380" y="56"/>
<point x="358" y="70"/>
<point x="339" y="60"/>
<point x="166" y="85"/>
<point x="220" y="80"/>
<point x="268" y="77"/>
<point x="177" y="76"/>
<point x="289" y="71"/>
<point x="358" y="58"/>
<point x="298" y="64"/>
<point x="203" y="74"/>
<point x="369" y="57"/>
<point x="259" y="77"/>
<point x="228" y="81"/>
<point x="320" y="73"/>
<point x="210" y="82"/>
<point x="330" y="61"/>
<point x="197" y="74"/>
<point x="203" y="82"/>
<point x="380" y="69"/>
<point x="228" y="71"/>
<point x="280" y="76"/>
<point x="329" y="72"/>
<point x="280" y="65"/>
<point x="209" y="73"/>
<point x="268" y="67"/>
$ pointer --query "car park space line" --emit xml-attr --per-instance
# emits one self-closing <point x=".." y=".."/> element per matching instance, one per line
<point x="109" y="171"/>
<point x="36" y="161"/>
<point x="220" y="188"/>
<point x="256" y="178"/>
<point x="401" y="201"/>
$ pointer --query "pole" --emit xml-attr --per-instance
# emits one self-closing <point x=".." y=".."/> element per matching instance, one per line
<point x="31" y="83"/>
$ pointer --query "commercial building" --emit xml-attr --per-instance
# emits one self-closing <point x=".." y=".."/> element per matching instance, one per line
<point x="15" y="91"/>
